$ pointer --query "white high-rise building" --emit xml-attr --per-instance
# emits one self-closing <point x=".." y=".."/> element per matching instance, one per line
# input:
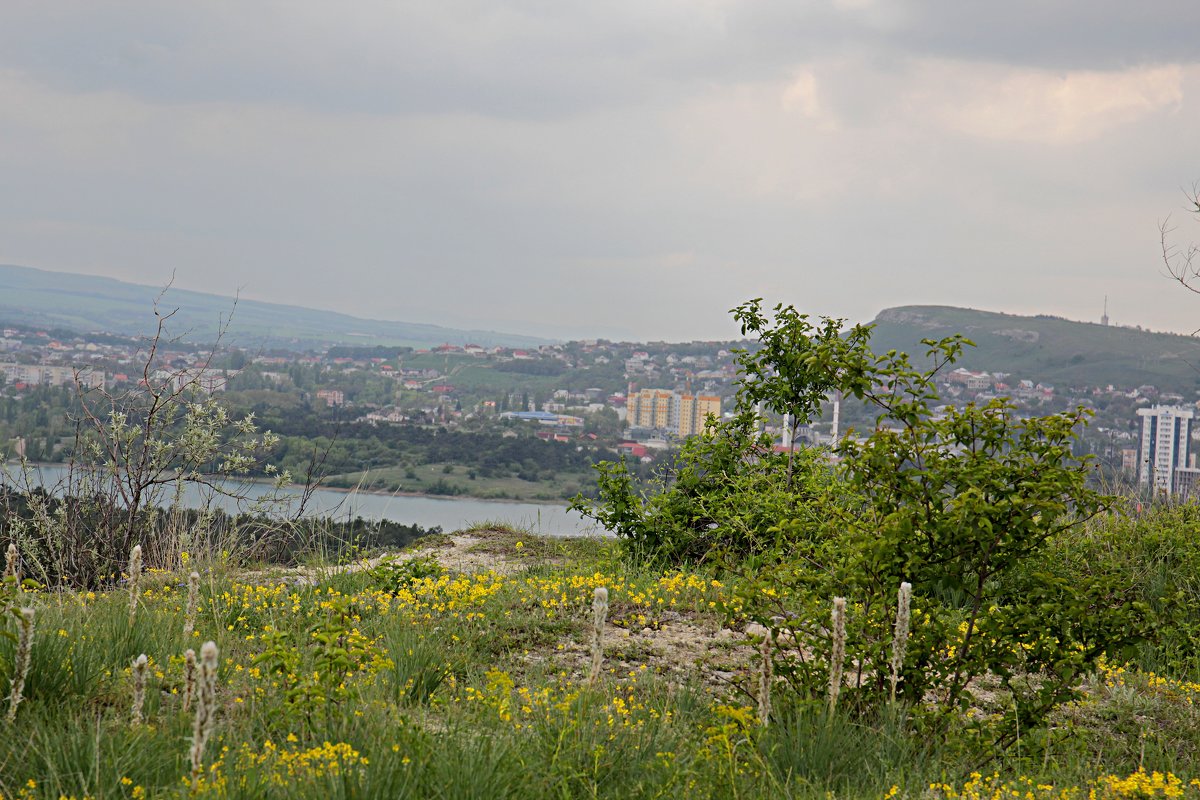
<point x="1163" y="447"/>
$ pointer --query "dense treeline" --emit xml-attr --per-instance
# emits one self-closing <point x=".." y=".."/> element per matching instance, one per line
<point x="42" y="418"/>
<point x="377" y="351"/>
<point x="355" y="446"/>
<point x="342" y="446"/>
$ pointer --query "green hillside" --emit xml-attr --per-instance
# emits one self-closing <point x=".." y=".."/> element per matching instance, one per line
<point x="87" y="303"/>
<point x="1048" y="349"/>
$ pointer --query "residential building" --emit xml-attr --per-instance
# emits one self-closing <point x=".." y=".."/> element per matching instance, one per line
<point x="683" y="414"/>
<point x="51" y="375"/>
<point x="690" y="412"/>
<point x="1163" y="446"/>
<point x="650" y="408"/>
<point x="1185" y="483"/>
<point x="973" y="381"/>
<point x="332" y="397"/>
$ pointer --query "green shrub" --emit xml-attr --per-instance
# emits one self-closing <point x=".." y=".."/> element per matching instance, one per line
<point x="1154" y="558"/>
<point x="957" y="502"/>
<point x="724" y="494"/>
<point x="392" y="576"/>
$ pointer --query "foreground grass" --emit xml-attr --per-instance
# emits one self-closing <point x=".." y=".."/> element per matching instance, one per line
<point x="408" y="681"/>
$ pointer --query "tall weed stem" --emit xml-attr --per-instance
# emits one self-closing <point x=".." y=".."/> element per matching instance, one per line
<point x="135" y="576"/>
<point x="599" y="617"/>
<point x="765" y="677"/>
<point x="189" y="678"/>
<point x="12" y="563"/>
<point x="193" y="600"/>
<point x="837" y="653"/>
<point x="206" y="708"/>
<point x="140" y="665"/>
<point x="900" y="636"/>
<point x="21" y="661"/>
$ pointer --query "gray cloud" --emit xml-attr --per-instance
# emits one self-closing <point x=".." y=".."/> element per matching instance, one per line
<point x="628" y="168"/>
<point x="533" y="59"/>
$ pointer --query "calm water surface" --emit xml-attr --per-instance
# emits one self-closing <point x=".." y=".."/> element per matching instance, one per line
<point x="450" y="513"/>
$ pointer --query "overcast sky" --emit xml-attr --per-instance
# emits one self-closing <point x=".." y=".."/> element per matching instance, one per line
<point x="628" y="168"/>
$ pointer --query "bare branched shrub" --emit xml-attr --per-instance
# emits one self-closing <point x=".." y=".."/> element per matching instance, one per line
<point x="1182" y="262"/>
<point x="138" y="454"/>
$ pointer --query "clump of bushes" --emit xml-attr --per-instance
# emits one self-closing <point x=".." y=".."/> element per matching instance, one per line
<point x="975" y="509"/>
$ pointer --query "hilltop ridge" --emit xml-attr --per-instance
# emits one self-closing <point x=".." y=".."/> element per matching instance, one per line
<point x="76" y="302"/>
<point x="1047" y="348"/>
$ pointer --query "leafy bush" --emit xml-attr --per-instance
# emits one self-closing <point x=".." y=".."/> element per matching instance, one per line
<point x="723" y="494"/>
<point x="394" y="576"/>
<point x="956" y="502"/>
<point x="1154" y="557"/>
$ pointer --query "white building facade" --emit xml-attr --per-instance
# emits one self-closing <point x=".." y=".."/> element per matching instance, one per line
<point x="1163" y="448"/>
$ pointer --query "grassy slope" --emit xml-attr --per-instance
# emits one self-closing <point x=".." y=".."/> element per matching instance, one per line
<point x="1063" y="354"/>
<point x="475" y="685"/>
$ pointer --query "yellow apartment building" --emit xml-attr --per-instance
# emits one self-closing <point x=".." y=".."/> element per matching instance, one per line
<point x="662" y="409"/>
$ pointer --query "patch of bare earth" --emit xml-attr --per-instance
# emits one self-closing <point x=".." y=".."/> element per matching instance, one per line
<point x="681" y="646"/>
<point x="467" y="552"/>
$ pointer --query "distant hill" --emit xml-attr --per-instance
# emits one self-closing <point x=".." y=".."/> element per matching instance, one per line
<point x="87" y="303"/>
<point x="1049" y="349"/>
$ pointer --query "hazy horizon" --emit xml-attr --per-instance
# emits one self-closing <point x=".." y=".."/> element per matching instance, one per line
<point x="169" y="289"/>
<point x="626" y="171"/>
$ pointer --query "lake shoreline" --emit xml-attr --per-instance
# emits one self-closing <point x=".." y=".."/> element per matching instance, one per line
<point x="342" y="489"/>
<point x="450" y="513"/>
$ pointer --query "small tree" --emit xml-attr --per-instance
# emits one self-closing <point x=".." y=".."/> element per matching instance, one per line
<point x="136" y="452"/>
<point x="719" y="497"/>
<point x="958" y="502"/>
<point x="788" y="372"/>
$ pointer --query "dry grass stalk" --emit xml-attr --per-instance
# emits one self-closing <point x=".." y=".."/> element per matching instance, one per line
<point x="193" y="600"/>
<point x="900" y="637"/>
<point x="765" y="677"/>
<point x="135" y="576"/>
<point x="837" y="654"/>
<point x="140" y="665"/>
<point x="189" y="678"/>
<point x="599" y="617"/>
<point x="21" y="661"/>
<point x="206" y="708"/>
<point x="12" y="563"/>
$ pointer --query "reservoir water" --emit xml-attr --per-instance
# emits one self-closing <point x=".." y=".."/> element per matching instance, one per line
<point x="450" y="513"/>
